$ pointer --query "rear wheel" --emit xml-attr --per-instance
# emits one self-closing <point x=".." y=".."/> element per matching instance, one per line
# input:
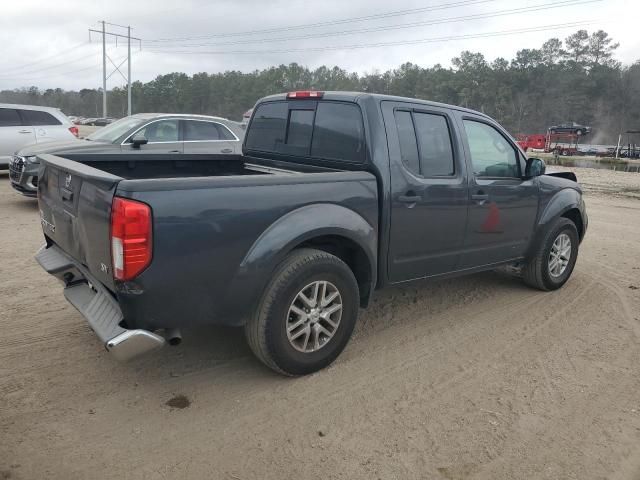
<point x="306" y="315"/>
<point x="552" y="263"/>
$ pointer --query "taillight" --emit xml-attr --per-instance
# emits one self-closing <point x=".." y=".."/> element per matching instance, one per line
<point x="131" y="245"/>
<point x="73" y="129"/>
<point x="305" y="94"/>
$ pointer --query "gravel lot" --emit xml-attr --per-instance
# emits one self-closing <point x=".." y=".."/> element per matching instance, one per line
<point x="476" y="377"/>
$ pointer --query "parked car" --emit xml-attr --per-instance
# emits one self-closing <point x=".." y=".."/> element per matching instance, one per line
<point x="336" y="194"/>
<point x="101" y="122"/>
<point x="572" y="128"/>
<point x="154" y="134"/>
<point x="22" y="125"/>
<point x="246" y="116"/>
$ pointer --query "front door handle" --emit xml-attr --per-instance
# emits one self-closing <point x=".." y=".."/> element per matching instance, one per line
<point x="480" y="197"/>
<point x="409" y="198"/>
<point x="175" y="151"/>
<point x="25" y="131"/>
<point x="226" y="150"/>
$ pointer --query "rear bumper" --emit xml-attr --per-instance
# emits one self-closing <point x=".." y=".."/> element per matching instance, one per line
<point x="97" y="306"/>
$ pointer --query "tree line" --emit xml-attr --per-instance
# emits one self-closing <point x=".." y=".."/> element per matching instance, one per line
<point x="577" y="79"/>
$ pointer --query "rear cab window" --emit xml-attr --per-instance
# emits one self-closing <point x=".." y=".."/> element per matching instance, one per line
<point x="315" y="130"/>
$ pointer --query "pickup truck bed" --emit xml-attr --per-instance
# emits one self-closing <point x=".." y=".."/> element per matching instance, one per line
<point x="209" y="246"/>
<point x="131" y="168"/>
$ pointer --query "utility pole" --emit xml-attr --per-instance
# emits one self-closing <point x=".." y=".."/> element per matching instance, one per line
<point x="104" y="72"/>
<point x="106" y="57"/>
<point x="128" y="70"/>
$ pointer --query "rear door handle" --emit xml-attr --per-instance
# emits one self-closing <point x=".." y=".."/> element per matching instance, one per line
<point x="175" y="151"/>
<point x="226" y="150"/>
<point x="480" y="197"/>
<point x="25" y="131"/>
<point x="409" y="198"/>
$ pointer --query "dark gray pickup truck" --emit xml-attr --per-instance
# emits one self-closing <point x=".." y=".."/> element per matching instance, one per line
<point x="336" y="194"/>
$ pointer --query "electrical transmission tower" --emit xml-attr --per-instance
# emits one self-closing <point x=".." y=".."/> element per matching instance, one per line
<point x="106" y="57"/>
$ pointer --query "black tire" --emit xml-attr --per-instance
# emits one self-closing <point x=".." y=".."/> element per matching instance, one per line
<point x="266" y="330"/>
<point x="536" y="271"/>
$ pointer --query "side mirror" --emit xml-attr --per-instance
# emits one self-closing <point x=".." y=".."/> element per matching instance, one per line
<point x="535" y="167"/>
<point x="138" y="139"/>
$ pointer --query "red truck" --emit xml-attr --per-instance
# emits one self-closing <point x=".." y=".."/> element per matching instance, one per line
<point x="531" y="141"/>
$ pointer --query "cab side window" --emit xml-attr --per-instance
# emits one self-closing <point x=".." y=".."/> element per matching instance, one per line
<point x="425" y="144"/>
<point x="491" y="154"/>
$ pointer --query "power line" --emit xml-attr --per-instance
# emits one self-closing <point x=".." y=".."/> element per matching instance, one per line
<point x="443" y="6"/>
<point x="498" y="13"/>
<point x="29" y="72"/>
<point x="70" y="50"/>
<point x="67" y="73"/>
<point x="387" y="44"/>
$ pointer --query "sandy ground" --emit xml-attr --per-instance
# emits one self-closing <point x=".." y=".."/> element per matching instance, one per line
<point x="476" y="377"/>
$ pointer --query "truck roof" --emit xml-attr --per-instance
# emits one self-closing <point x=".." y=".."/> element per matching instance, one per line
<point x="354" y="96"/>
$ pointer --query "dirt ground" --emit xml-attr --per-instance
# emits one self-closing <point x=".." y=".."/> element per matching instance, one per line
<point x="477" y="377"/>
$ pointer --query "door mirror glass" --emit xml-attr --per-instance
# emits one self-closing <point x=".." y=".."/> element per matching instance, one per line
<point x="139" y="139"/>
<point x="535" y="167"/>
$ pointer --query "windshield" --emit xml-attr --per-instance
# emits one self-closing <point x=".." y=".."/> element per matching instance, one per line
<point x="112" y="132"/>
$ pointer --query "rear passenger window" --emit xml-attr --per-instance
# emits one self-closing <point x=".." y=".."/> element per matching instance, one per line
<point x="434" y="144"/>
<point x="35" y="118"/>
<point x="338" y="133"/>
<point x="408" y="144"/>
<point x="200" y="131"/>
<point x="9" y="118"/>
<point x="225" y="133"/>
<point x="425" y="143"/>
<point x="267" y="130"/>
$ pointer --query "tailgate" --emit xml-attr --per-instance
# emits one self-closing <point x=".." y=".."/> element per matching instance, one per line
<point x="75" y="211"/>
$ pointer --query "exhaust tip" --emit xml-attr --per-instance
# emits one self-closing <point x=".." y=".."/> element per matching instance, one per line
<point x="173" y="336"/>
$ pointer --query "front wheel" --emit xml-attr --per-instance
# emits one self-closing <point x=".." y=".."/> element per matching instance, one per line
<point x="552" y="262"/>
<point x="306" y="315"/>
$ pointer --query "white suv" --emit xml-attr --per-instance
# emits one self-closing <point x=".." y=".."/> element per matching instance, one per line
<point x="22" y="125"/>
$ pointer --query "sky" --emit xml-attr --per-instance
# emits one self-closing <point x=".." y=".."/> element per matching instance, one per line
<point x="47" y="43"/>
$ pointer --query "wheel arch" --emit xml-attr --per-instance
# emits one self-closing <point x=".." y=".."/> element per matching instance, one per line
<point x="328" y="227"/>
<point x="565" y="203"/>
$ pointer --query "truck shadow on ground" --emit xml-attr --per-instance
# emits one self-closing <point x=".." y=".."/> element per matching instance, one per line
<point x="225" y="348"/>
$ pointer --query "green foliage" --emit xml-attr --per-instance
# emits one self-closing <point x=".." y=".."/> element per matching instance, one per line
<point x="575" y="80"/>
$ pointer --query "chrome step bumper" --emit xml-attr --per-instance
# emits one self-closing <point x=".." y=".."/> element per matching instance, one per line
<point x="97" y="306"/>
